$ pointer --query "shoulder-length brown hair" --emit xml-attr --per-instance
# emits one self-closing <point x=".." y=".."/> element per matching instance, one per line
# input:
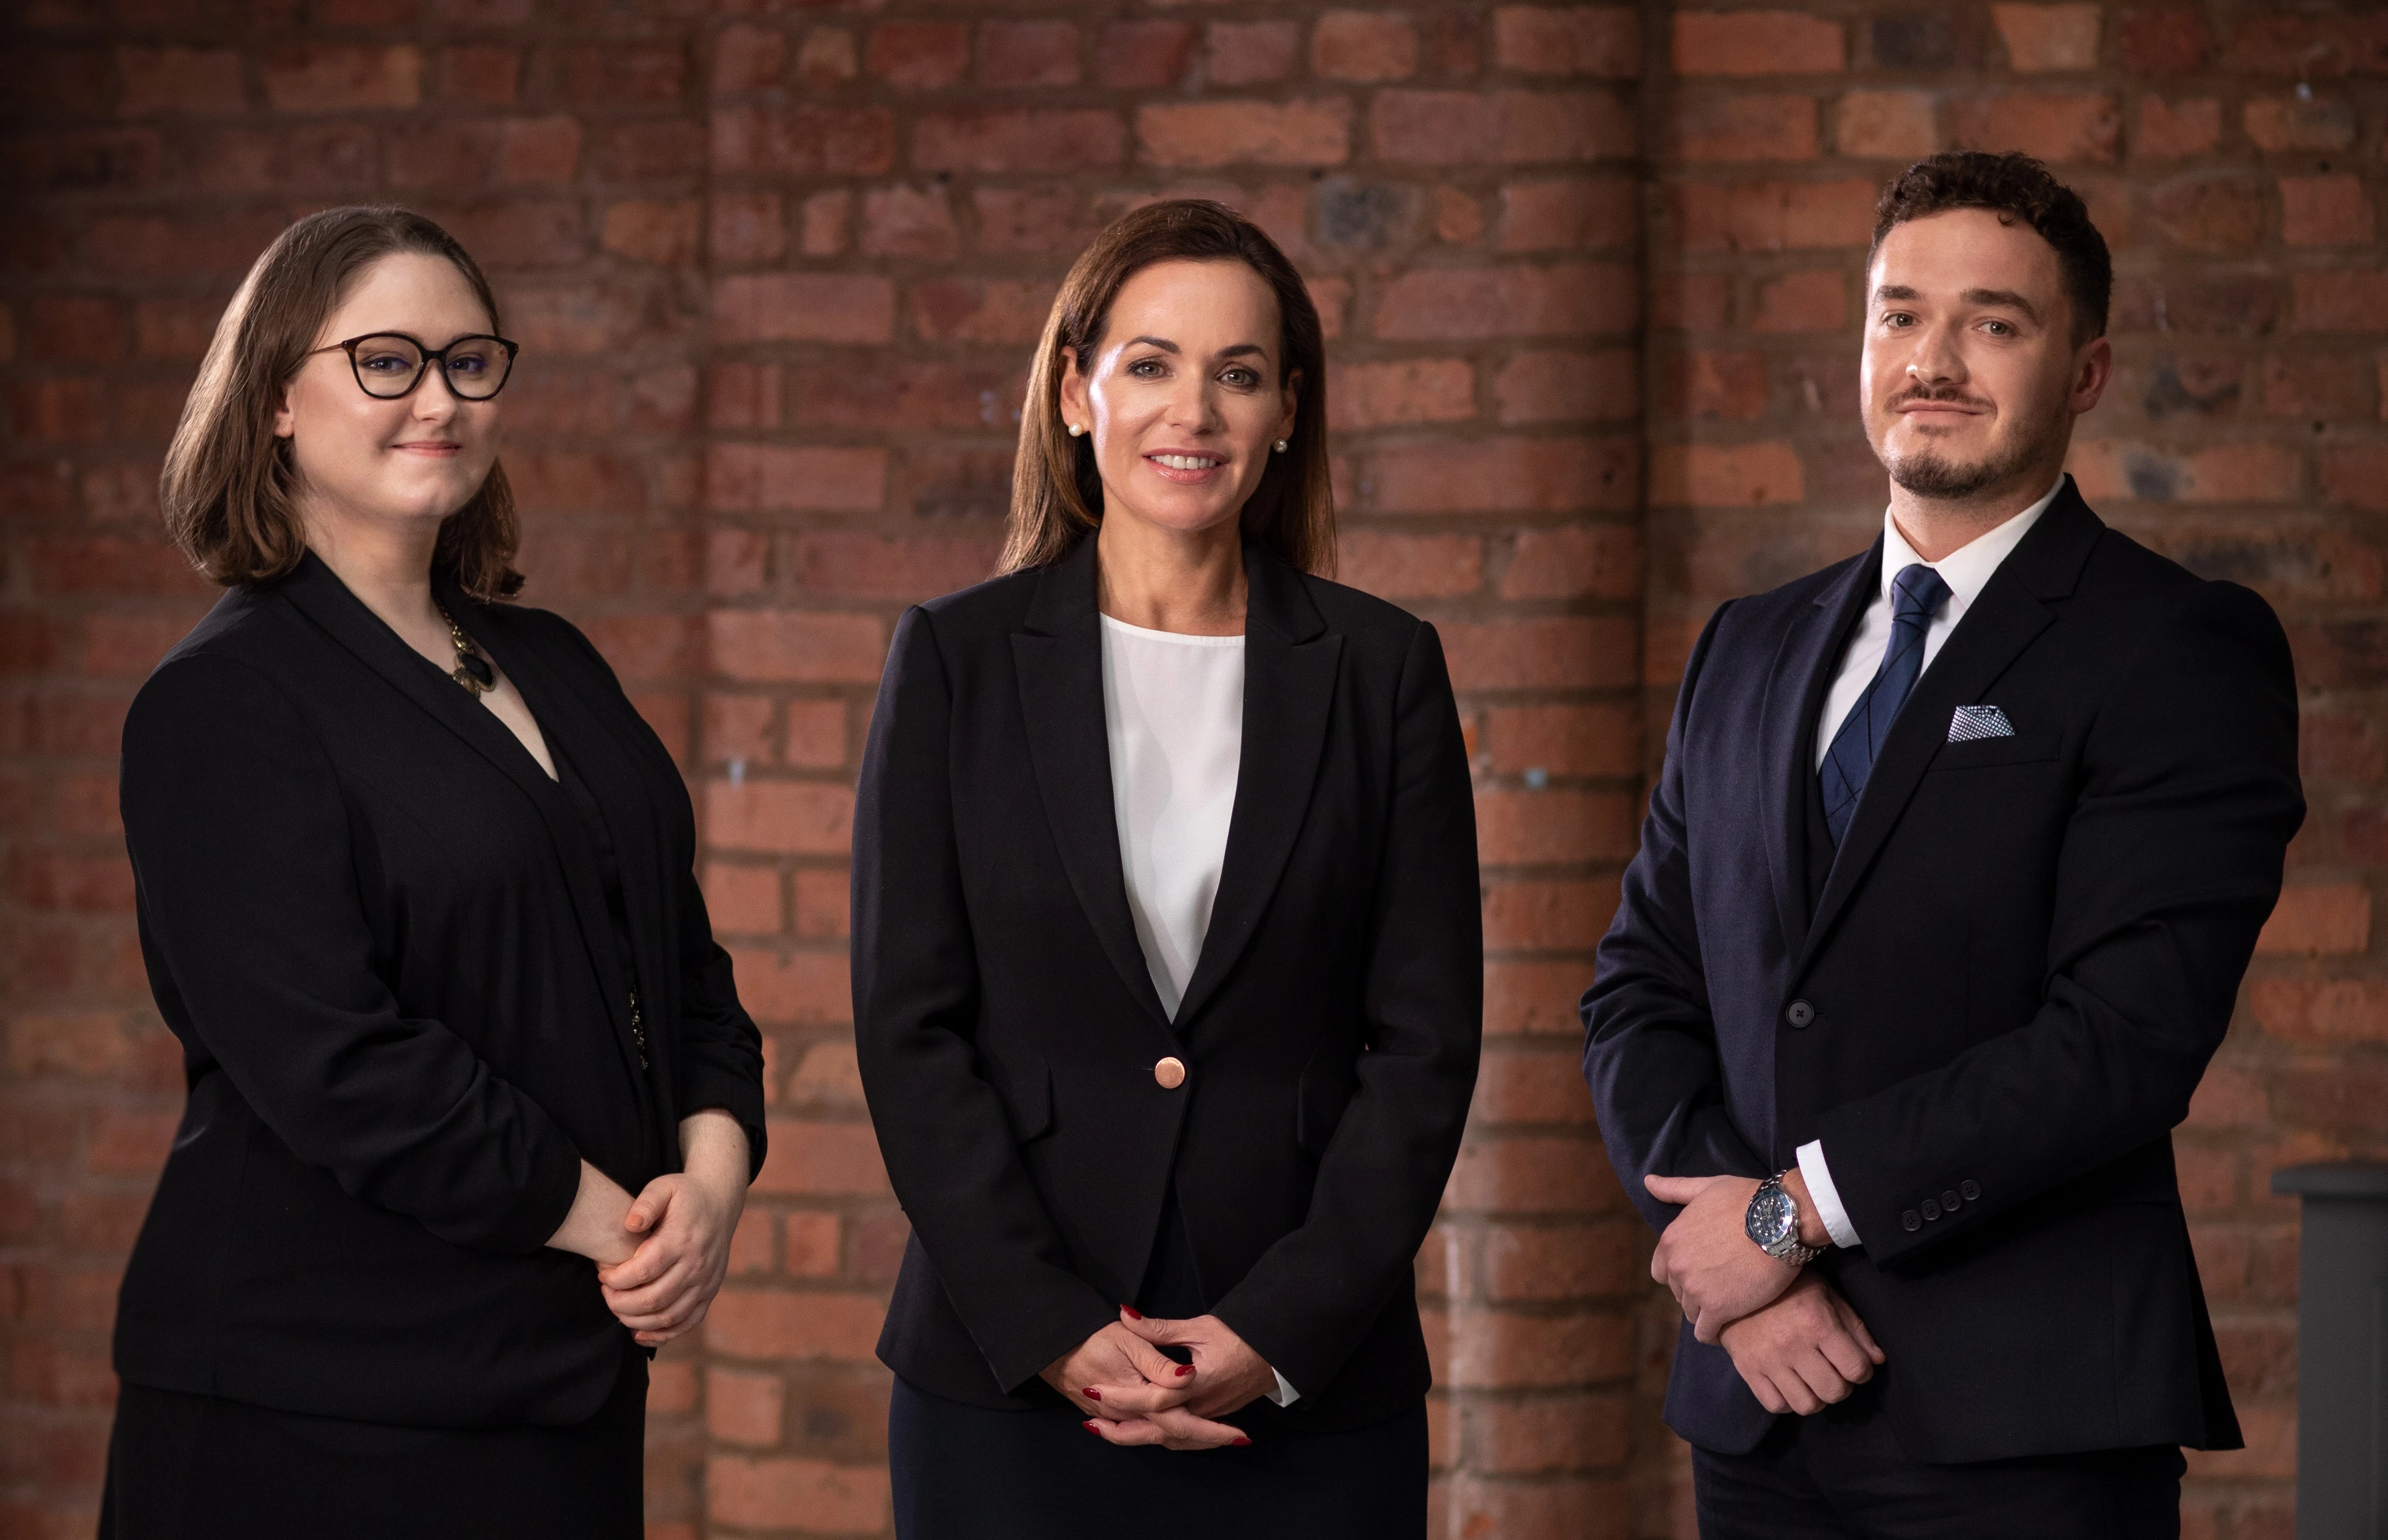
<point x="228" y="484"/>
<point x="1057" y="497"/>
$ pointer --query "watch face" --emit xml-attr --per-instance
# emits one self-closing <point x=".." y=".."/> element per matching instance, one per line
<point x="1771" y="1217"/>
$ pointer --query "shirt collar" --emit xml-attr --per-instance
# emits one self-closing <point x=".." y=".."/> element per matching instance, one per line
<point x="1967" y="569"/>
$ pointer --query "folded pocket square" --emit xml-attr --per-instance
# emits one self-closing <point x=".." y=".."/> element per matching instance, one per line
<point x="1978" y="722"/>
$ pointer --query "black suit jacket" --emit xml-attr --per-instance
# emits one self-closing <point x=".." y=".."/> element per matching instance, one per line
<point x="380" y="932"/>
<point x="1007" y="1026"/>
<point x="2023" y="955"/>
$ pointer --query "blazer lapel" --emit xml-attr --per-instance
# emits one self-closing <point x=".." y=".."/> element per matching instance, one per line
<point x="323" y="599"/>
<point x="1058" y="657"/>
<point x="1804" y="668"/>
<point x="1291" y="663"/>
<point x="2001" y="623"/>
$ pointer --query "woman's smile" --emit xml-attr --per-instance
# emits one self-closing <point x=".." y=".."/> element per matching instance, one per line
<point x="1187" y="467"/>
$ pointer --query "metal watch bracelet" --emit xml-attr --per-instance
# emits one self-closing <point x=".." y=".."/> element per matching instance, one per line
<point x="1784" y="1245"/>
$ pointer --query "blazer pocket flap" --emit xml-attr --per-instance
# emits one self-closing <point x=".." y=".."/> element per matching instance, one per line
<point x="1328" y="1082"/>
<point x="1028" y="1101"/>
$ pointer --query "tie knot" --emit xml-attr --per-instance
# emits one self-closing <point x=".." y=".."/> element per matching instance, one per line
<point x="1916" y="592"/>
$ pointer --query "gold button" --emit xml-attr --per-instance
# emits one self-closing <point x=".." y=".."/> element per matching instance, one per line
<point x="1171" y="1073"/>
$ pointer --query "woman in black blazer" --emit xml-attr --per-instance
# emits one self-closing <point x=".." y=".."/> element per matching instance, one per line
<point x="415" y="895"/>
<point x="1167" y="963"/>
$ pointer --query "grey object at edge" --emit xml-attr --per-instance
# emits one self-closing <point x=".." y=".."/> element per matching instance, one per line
<point x="2342" y="1348"/>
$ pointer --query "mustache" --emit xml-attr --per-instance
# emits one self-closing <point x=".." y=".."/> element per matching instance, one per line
<point x="1949" y="395"/>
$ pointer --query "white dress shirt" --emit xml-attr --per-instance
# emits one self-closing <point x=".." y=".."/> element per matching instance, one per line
<point x="1967" y="570"/>
<point x="1173" y="713"/>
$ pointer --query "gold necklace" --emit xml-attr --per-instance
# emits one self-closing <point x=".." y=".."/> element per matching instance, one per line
<point x="472" y="670"/>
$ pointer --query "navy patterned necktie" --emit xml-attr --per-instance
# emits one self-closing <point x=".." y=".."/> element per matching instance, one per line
<point x="1916" y="593"/>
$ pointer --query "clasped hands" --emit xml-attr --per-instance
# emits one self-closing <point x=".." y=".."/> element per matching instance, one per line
<point x="1135" y="1394"/>
<point x="661" y="1258"/>
<point x="1796" y="1342"/>
<point x="682" y="1227"/>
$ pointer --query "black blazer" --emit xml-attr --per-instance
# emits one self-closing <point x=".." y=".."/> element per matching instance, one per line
<point x="1008" y="1029"/>
<point x="380" y="932"/>
<point x="2000" y="1003"/>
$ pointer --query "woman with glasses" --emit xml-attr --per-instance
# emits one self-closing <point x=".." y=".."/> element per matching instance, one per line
<point x="473" y="1105"/>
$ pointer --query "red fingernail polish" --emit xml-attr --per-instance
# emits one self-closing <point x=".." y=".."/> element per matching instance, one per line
<point x="1091" y="1393"/>
<point x="1131" y="1312"/>
<point x="1183" y="1370"/>
<point x="1240" y="1443"/>
<point x="1090" y="1425"/>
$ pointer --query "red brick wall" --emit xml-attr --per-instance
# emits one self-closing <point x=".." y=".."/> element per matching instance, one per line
<point x="777" y="267"/>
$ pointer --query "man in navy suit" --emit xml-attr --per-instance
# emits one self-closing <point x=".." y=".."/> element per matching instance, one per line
<point x="1958" y="856"/>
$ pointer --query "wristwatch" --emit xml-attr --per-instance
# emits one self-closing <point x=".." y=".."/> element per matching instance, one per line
<point x="1774" y="1223"/>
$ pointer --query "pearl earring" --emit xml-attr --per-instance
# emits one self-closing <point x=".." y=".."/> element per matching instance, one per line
<point x="1075" y="430"/>
<point x="1281" y="445"/>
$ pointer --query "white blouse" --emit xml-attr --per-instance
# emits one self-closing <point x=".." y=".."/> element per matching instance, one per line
<point x="1173" y="711"/>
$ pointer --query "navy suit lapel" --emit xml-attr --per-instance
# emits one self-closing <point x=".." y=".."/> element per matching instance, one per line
<point x="2007" y="617"/>
<point x="1291" y="663"/>
<point x="1803" y="667"/>
<point x="1058" y="659"/>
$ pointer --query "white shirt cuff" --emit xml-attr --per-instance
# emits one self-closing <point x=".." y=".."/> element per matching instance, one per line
<point x="1827" y="1198"/>
<point x="1285" y="1394"/>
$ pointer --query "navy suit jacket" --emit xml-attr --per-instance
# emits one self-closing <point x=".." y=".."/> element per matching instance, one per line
<point x="2024" y="953"/>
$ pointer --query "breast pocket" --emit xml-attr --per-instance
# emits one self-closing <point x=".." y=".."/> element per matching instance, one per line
<point x="2021" y="749"/>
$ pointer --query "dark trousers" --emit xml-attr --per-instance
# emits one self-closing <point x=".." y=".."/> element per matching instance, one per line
<point x="1841" y="1475"/>
<point x="973" y="1473"/>
<point x="199" y="1468"/>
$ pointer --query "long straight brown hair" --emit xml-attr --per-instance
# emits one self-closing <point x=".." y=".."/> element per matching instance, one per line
<point x="229" y="482"/>
<point x="1057" y="497"/>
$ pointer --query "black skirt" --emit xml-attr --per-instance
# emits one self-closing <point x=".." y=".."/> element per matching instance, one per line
<point x="963" y="1472"/>
<point x="184" y="1467"/>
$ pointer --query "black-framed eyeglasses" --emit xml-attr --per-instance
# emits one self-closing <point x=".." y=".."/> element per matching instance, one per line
<point x="390" y="364"/>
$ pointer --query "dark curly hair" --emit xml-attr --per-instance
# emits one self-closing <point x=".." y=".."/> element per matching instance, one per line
<point x="2013" y="188"/>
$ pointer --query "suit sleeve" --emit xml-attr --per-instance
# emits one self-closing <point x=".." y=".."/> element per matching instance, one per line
<point x="941" y="1128"/>
<point x="249" y="889"/>
<point x="720" y="1057"/>
<point x="1311" y="1298"/>
<point x="2170" y="863"/>
<point x="721" y="1050"/>
<point x="1650" y="1045"/>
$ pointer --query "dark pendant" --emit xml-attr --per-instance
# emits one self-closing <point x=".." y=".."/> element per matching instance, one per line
<point x="478" y="667"/>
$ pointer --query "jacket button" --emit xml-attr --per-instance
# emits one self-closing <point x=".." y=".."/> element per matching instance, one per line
<point x="1171" y="1073"/>
<point x="1931" y="1209"/>
<point x="1947" y="1203"/>
<point x="1971" y="1188"/>
<point x="1800" y="1012"/>
<point x="1911" y="1219"/>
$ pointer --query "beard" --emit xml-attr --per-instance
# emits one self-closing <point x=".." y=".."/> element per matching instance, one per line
<point x="1927" y="474"/>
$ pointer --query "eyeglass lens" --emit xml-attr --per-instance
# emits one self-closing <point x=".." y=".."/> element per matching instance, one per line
<point x="389" y="366"/>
